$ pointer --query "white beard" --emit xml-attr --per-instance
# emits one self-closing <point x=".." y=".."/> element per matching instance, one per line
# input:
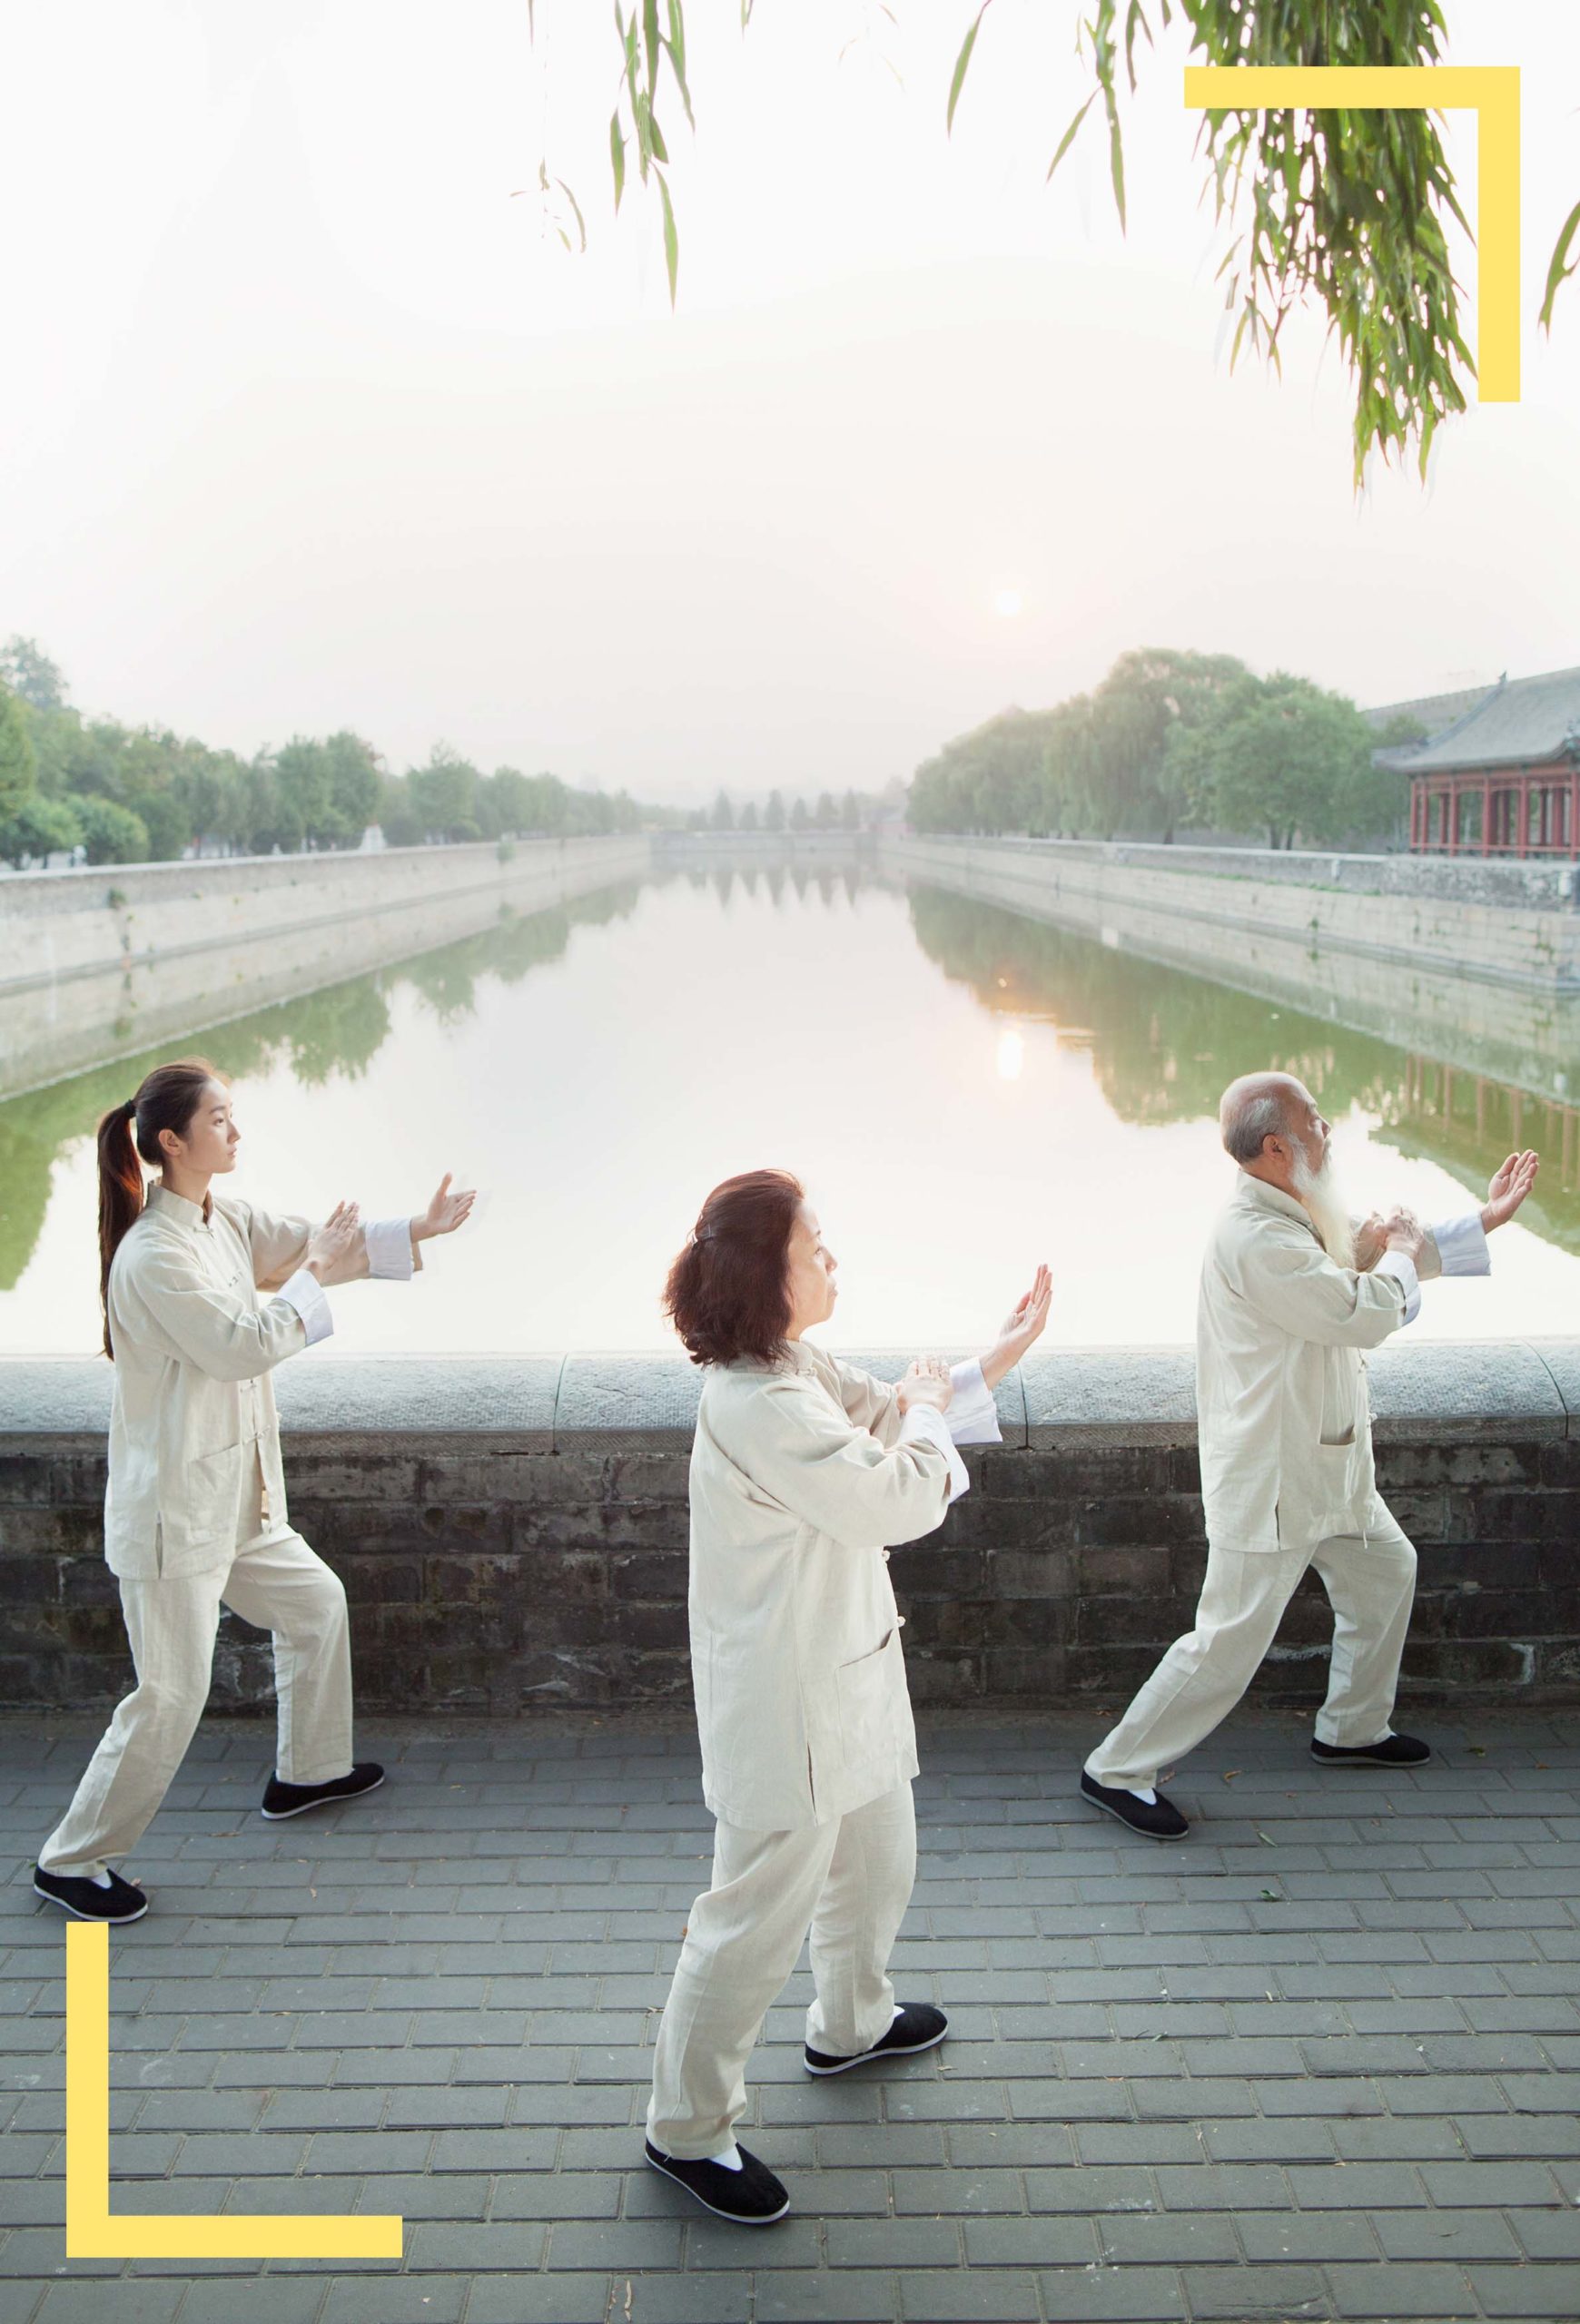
<point x="1319" y="1190"/>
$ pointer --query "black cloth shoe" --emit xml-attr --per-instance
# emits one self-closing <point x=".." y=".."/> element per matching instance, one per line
<point x="1393" y="1751"/>
<point x="283" y="1799"/>
<point x="1161" y="1821"/>
<point x="86" y="1900"/>
<point x="750" y="2196"/>
<point x="919" y="2026"/>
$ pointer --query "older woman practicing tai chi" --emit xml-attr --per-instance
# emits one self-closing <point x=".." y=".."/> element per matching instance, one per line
<point x="1292" y="1290"/>
<point x="802" y="1470"/>
<point x="203" y="1294"/>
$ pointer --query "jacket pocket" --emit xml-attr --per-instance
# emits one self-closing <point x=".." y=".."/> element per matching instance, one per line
<point x="871" y="1692"/>
<point x="209" y="1489"/>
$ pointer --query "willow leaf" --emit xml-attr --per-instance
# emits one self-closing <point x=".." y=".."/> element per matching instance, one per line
<point x="617" y="156"/>
<point x="671" y="239"/>
<point x="1561" y="265"/>
<point x="1068" y="139"/>
<point x="962" y="63"/>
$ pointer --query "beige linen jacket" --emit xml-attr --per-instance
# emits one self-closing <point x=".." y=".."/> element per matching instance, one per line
<point x="1281" y="1407"/>
<point x="800" y="1478"/>
<point x="194" y="1345"/>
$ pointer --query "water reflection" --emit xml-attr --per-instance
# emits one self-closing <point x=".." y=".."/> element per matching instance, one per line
<point x="1164" y="1043"/>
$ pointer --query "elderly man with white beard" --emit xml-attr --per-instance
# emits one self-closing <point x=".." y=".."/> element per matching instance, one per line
<point x="1293" y="1290"/>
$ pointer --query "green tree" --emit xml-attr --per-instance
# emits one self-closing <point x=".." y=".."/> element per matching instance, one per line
<point x="723" y="818"/>
<point x="1346" y="209"/>
<point x="1145" y="694"/>
<point x="165" y="819"/>
<point x="850" y="813"/>
<point x="799" y="818"/>
<point x="825" y="814"/>
<point x="26" y="670"/>
<point x="19" y="765"/>
<point x="1280" y="755"/>
<point x="111" y="833"/>
<point x="774" y="812"/>
<point x="443" y="795"/>
<point x="37" y="828"/>
<point x="750" y="819"/>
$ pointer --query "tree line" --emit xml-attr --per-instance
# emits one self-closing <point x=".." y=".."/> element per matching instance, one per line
<point x="143" y="795"/>
<point x="1167" y="741"/>
<point x="850" y="813"/>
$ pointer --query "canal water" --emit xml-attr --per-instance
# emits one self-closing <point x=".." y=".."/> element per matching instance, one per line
<point x="963" y="1091"/>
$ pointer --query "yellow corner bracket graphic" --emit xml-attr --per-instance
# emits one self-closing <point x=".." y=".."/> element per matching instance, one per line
<point x="1491" y="91"/>
<point x="93" y="2233"/>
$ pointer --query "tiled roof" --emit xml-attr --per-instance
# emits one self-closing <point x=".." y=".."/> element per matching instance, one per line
<point x="1430" y="711"/>
<point x="1520" y="722"/>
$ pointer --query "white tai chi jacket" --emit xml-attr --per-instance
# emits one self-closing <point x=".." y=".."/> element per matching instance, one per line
<point x="801" y="1475"/>
<point x="193" y="1406"/>
<point x="1281" y="1408"/>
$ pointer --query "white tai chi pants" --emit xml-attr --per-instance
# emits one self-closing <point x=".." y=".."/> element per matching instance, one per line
<point x="276" y="1582"/>
<point x="1370" y="1580"/>
<point x="847" y="1883"/>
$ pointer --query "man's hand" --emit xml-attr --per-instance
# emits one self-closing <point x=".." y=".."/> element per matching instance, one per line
<point x="328" y="1244"/>
<point x="1407" y="1233"/>
<point x="1371" y="1237"/>
<point x="926" y="1382"/>
<point x="1509" y="1188"/>
<point x="1022" y="1328"/>
<point x="445" y="1213"/>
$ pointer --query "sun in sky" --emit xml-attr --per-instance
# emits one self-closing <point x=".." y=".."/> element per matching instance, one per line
<point x="1007" y="604"/>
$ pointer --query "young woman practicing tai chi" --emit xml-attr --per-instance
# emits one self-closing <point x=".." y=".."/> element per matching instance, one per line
<point x="203" y="1294"/>
<point x="802" y="1470"/>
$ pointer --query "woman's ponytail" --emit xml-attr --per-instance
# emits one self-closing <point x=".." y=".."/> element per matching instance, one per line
<point x="167" y="1099"/>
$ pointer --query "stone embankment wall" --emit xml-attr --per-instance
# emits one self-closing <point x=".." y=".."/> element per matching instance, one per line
<point x="96" y="964"/>
<point x="1494" y="988"/>
<point x="513" y="1532"/>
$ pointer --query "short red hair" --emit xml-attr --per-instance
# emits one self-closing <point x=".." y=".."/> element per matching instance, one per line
<point x="728" y="1291"/>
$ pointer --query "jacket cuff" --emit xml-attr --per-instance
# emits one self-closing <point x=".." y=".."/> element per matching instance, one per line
<point x="973" y="1417"/>
<point x="1402" y="1267"/>
<point x="926" y="1421"/>
<point x="389" y="1244"/>
<point x="1462" y="1244"/>
<point x="305" y="1294"/>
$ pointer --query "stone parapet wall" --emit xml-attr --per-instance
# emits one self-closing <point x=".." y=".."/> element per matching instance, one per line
<point x="1456" y="879"/>
<point x="512" y="1531"/>
<point x="95" y="964"/>
<point x="1253" y="895"/>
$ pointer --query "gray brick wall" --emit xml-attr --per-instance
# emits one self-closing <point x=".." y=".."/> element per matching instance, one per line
<point x="513" y="1533"/>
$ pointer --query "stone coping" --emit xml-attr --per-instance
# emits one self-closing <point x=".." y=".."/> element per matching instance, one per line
<point x="1429" y="1391"/>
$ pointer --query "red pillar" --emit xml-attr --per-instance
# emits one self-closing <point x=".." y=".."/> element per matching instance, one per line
<point x="1523" y="828"/>
<point x="1487" y="815"/>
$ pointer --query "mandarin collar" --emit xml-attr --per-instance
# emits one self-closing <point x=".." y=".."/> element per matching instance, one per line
<point x="190" y="1216"/>
<point x="1257" y="1195"/>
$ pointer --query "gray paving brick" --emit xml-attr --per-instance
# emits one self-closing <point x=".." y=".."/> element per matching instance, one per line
<point x="1309" y="2235"/>
<point x="1433" y="2289"/>
<point x="1505" y="2183"/>
<point x="1238" y="2295"/>
<point x="543" y="2300"/>
<point x="1527" y="2291"/>
<point x="816" y="2296"/>
<point x="1104" y="2295"/>
<point x="995" y="2297"/>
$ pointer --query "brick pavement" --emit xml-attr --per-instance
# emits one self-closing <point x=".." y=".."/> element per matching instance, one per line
<point x="1321" y="2062"/>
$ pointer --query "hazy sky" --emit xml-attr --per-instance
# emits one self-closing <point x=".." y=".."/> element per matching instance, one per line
<point x="306" y="421"/>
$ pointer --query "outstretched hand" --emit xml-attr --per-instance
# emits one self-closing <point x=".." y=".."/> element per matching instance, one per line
<point x="1510" y="1185"/>
<point x="1022" y="1328"/>
<point x="445" y="1213"/>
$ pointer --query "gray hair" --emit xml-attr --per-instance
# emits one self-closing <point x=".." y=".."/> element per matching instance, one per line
<point x="1251" y="1111"/>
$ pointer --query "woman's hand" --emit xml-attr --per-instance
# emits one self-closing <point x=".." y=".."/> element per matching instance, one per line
<point x="1022" y="1328"/>
<point x="926" y="1382"/>
<point x="1508" y="1189"/>
<point x="328" y="1244"/>
<point x="445" y="1213"/>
